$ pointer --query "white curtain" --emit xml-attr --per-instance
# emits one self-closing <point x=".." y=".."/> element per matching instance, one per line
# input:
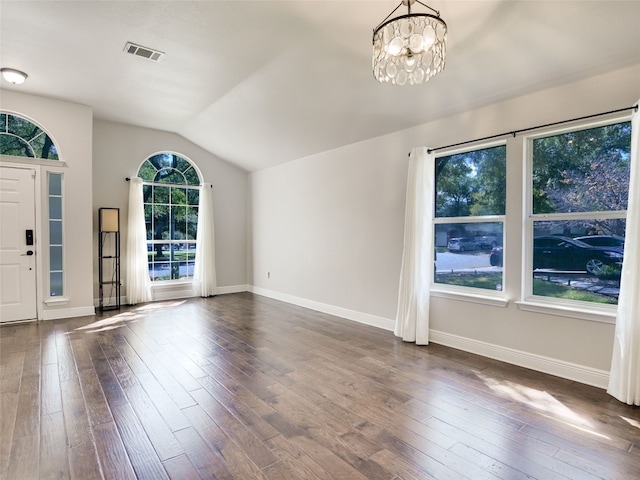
<point x="624" y="379"/>
<point x="137" y="267"/>
<point x="204" y="274"/>
<point x="416" y="275"/>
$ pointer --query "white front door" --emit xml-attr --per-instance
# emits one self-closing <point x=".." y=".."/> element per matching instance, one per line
<point x="17" y="257"/>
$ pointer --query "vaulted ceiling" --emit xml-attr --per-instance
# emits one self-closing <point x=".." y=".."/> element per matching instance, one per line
<point x="259" y="83"/>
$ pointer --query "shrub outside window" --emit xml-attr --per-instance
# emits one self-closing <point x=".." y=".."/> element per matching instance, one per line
<point x="469" y="218"/>
<point x="579" y="188"/>
<point x="171" y="196"/>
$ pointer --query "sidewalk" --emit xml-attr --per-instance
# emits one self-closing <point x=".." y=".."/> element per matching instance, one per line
<point x="579" y="281"/>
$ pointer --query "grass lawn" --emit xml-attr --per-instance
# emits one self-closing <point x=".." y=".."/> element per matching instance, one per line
<point x="489" y="281"/>
<point x="550" y="289"/>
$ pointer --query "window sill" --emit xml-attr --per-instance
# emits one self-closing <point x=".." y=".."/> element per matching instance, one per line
<point x="489" y="298"/>
<point x="595" y="313"/>
<point x="55" y="301"/>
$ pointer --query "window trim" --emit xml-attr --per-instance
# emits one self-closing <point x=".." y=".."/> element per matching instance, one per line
<point x="177" y="281"/>
<point x="464" y="293"/>
<point x="604" y="313"/>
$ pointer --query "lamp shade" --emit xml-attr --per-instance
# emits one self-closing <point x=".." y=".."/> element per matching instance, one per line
<point x="109" y="219"/>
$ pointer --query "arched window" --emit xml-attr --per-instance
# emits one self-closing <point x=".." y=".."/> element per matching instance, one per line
<point x="22" y="138"/>
<point x="171" y="195"/>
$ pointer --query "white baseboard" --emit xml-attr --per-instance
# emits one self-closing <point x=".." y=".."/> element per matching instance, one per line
<point x="367" y="319"/>
<point x="552" y="366"/>
<point x="233" y="289"/>
<point x="176" y="292"/>
<point x="55" y="314"/>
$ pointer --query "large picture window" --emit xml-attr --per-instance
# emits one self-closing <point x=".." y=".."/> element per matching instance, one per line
<point x="578" y="190"/>
<point x="171" y="195"/>
<point x="469" y="218"/>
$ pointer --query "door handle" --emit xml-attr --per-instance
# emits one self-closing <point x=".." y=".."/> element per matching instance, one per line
<point x="28" y="254"/>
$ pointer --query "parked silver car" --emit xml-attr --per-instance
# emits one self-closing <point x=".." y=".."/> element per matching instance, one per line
<point x="462" y="244"/>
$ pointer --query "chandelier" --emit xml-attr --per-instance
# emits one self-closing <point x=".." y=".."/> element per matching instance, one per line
<point x="409" y="48"/>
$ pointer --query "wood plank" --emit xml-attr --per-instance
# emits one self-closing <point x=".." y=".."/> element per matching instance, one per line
<point x="243" y="386"/>
<point x="181" y="468"/>
<point x="208" y="462"/>
<point x="142" y="455"/>
<point x="112" y="455"/>
<point x="54" y="455"/>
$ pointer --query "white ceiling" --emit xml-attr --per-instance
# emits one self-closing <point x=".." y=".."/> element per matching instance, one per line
<point x="259" y="83"/>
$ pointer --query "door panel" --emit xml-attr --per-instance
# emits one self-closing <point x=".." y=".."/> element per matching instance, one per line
<point x="17" y="265"/>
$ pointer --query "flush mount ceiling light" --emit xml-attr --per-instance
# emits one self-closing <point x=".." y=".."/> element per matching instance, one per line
<point x="411" y="48"/>
<point x="13" y="76"/>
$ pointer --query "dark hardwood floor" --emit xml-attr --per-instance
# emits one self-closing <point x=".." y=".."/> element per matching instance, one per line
<point x="244" y="387"/>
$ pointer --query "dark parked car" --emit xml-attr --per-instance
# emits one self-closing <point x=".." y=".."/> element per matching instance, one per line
<point x="565" y="253"/>
<point x="495" y="259"/>
<point x="462" y="244"/>
<point x="603" y="241"/>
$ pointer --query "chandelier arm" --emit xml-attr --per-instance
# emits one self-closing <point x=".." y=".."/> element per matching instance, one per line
<point x="425" y="5"/>
<point x="387" y="17"/>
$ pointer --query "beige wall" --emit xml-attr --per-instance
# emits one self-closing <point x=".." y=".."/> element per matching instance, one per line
<point x="328" y="231"/>
<point x="118" y="152"/>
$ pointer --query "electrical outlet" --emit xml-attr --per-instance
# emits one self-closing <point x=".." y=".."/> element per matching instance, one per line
<point x="268" y="274"/>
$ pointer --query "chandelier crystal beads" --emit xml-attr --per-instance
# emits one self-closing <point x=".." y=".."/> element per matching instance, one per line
<point x="409" y="49"/>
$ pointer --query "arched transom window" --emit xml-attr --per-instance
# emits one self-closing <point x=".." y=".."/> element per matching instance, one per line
<point x="171" y="187"/>
<point x="22" y="138"/>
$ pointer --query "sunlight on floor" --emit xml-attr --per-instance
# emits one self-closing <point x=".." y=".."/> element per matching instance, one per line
<point x="120" y="318"/>
<point x="631" y="421"/>
<point x="541" y="401"/>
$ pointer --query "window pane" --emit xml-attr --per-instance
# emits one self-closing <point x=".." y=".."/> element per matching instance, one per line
<point x="579" y="259"/>
<point x="181" y="164"/>
<point x="55" y="284"/>
<point x="55" y="258"/>
<point x="170" y="175"/>
<point x="55" y="184"/>
<point x="55" y="208"/>
<point x="178" y="196"/>
<point x="192" y="177"/>
<point x="160" y="271"/>
<point x="469" y="254"/>
<point x="193" y="196"/>
<point x="161" y="223"/>
<point x="471" y="183"/>
<point x="43" y="147"/>
<point x="582" y="171"/>
<point x="179" y="219"/>
<point x="147" y="193"/>
<point x="55" y="232"/>
<point x="161" y="194"/>
<point x="160" y="161"/>
<point x="22" y="127"/>
<point x="192" y="222"/>
<point x="148" y="221"/>
<point x="147" y="172"/>
<point x="10" y="145"/>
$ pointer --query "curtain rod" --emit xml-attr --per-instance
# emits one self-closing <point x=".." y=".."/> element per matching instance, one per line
<point x="522" y="130"/>
<point x="128" y="179"/>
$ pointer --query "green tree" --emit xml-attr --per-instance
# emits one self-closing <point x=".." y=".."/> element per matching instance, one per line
<point x="471" y="183"/>
<point x="455" y="186"/>
<point x="582" y="171"/>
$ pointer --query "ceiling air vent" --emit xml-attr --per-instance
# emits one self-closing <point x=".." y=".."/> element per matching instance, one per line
<point x="141" y="51"/>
